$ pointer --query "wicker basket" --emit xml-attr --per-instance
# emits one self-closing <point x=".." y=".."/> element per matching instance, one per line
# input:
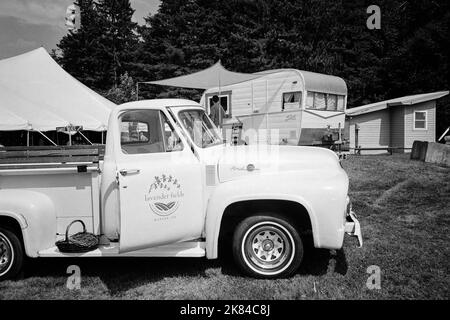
<point x="79" y="242"/>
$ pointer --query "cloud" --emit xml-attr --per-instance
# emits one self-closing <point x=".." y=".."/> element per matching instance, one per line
<point x="50" y="12"/>
<point x="23" y="44"/>
<point x="18" y="36"/>
<point x="144" y="8"/>
<point x="28" y="24"/>
<point x="53" y="11"/>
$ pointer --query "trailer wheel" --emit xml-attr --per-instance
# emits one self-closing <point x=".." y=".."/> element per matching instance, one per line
<point x="11" y="254"/>
<point x="267" y="246"/>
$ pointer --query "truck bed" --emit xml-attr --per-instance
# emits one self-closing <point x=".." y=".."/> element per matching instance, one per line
<point x="68" y="175"/>
<point x="53" y="156"/>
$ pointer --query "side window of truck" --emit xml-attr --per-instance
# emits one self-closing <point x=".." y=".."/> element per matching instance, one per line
<point x="147" y="131"/>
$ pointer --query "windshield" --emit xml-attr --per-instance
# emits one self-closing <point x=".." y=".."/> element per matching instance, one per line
<point x="200" y="127"/>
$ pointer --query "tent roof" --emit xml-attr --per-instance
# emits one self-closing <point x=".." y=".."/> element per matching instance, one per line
<point x="10" y="121"/>
<point x="402" y="101"/>
<point x="31" y="114"/>
<point x="36" y="89"/>
<point x="214" y="76"/>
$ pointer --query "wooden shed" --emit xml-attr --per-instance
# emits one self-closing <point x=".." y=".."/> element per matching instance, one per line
<point x="394" y="123"/>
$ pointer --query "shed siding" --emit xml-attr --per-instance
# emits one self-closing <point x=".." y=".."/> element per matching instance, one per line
<point x="397" y="115"/>
<point x="422" y="135"/>
<point x="374" y="131"/>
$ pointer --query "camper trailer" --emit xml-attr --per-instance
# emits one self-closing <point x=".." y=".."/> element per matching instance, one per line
<point x="285" y="106"/>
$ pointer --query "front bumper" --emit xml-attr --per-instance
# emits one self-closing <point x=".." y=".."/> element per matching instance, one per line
<point x="352" y="226"/>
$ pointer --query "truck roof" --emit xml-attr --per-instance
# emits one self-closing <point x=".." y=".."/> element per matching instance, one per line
<point x="158" y="104"/>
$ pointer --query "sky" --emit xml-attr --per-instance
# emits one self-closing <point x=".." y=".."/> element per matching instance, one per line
<point x="28" y="24"/>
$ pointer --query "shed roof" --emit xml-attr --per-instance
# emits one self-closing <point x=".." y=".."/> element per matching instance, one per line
<point x="402" y="101"/>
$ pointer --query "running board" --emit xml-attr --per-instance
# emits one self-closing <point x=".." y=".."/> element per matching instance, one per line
<point x="194" y="249"/>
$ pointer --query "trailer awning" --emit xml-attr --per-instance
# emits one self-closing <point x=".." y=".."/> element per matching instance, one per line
<point x="214" y="76"/>
<point x="36" y="90"/>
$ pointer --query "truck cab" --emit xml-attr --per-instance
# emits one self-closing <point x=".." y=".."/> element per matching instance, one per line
<point x="169" y="186"/>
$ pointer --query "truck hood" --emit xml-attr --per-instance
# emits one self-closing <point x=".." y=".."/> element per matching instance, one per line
<point x="236" y="162"/>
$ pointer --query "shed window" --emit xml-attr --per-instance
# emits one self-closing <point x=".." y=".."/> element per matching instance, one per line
<point x="324" y="101"/>
<point x="420" y="120"/>
<point x="291" y="100"/>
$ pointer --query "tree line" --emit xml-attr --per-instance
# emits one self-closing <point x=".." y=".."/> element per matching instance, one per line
<point x="409" y="54"/>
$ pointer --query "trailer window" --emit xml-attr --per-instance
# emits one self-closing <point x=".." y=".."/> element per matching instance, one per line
<point x="331" y="102"/>
<point x="320" y="101"/>
<point x="224" y="100"/>
<point x="147" y="131"/>
<point x="324" y="101"/>
<point x="291" y="100"/>
<point x="340" y="103"/>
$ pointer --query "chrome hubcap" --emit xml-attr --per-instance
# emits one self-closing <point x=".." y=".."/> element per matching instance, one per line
<point x="5" y="253"/>
<point x="267" y="247"/>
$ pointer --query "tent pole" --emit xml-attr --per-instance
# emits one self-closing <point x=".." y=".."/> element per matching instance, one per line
<point x="220" y="113"/>
<point x="47" y="138"/>
<point x="137" y="91"/>
<point x="85" y="138"/>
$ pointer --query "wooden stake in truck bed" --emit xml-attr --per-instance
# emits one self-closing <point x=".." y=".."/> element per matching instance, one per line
<point x="167" y="186"/>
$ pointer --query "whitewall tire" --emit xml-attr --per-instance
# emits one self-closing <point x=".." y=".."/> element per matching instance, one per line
<point x="267" y="246"/>
<point x="11" y="254"/>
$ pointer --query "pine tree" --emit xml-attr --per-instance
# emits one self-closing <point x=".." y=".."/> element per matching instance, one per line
<point x="119" y="38"/>
<point x="78" y="50"/>
<point x="102" y="49"/>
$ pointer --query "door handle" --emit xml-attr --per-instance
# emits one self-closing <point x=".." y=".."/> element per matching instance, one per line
<point x="124" y="172"/>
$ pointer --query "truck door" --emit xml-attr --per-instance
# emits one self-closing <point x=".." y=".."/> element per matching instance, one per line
<point x="160" y="183"/>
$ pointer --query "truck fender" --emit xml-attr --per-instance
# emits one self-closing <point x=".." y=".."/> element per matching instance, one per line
<point x="36" y="215"/>
<point x="226" y="194"/>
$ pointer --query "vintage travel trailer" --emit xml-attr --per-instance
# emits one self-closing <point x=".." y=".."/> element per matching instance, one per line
<point x="284" y="106"/>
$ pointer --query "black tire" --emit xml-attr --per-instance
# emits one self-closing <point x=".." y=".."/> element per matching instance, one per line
<point x="267" y="246"/>
<point x="11" y="254"/>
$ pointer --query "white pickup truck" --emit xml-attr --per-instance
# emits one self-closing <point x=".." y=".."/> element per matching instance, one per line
<point x="169" y="187"/>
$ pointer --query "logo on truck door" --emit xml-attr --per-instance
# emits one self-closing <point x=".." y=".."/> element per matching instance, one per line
<point x="164" y="195"/>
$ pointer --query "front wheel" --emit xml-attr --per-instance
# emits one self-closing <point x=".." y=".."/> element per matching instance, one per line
<point x="11" y="254"/>
<point x="267" y="246"/>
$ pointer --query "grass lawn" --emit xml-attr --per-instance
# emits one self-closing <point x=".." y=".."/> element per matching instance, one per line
<point x="404" y="210"/>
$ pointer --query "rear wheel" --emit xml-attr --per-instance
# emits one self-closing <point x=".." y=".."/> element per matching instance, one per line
<point x="11" y="254"/>
<point x="267" y="246"/>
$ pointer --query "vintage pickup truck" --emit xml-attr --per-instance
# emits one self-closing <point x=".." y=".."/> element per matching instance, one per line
<point x="168" y="186"/>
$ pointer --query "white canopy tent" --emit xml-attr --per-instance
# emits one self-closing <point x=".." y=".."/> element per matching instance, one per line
<point x="33" y="116"/>
<point x="36" y="94"/>
<point x="10" y="121"/>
